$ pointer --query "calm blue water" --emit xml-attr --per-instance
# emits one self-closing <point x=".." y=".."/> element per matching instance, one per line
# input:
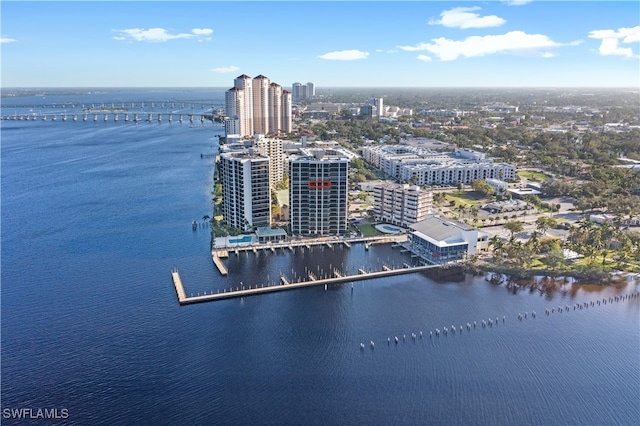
<point x="95" y="216"/>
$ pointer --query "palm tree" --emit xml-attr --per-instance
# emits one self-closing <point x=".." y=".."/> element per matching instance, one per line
<point x="534" y="241"/>
<point x="544" y="223"/>
<point x="497" y="244"/>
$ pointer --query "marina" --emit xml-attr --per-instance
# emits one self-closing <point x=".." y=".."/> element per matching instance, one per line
<point x="241" y="291"/>
<point x="95" y="329"/>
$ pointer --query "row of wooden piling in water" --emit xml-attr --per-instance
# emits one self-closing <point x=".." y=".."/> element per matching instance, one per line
<point x="437" y="333"/>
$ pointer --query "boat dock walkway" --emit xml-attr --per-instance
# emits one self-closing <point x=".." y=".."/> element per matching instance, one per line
<point x="309" y="243"/>
<point x="184" y="300"/>
<point x="177" y="282"/>
<point x="223" y="252"/>
<point x="218" y="263"/>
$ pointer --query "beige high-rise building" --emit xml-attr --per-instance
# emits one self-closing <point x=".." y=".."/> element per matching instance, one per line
<point x="245" y="83"/>
<point x="257" y="106"/>
<point x="287" y="119"/>
<point x="274" y="148"/>
<point x="275" y="107"/>
<point x="234" y="106"/>
<point x="261" y="110"/>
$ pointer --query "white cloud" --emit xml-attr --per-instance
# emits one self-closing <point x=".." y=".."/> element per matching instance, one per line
<point x="345" y="55"/>
<point x="7" y="40"/>
<point x="516" y="2"/>
<point x="463" y="17"/>
<point x="160" y="34"/>
<point x="230" y="68"/>
<point x="511" y="42"/>
<point x="202" y="31"/>
<point x="424" y="58"/>
<point x="609" y="46"/>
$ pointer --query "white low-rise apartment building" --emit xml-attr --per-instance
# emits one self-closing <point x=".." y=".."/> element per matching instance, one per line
<point x="426" y="167"/>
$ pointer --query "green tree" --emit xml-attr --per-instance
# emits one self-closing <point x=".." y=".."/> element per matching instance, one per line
<point x="513" y="227"/>
<point x="481" y="185"/>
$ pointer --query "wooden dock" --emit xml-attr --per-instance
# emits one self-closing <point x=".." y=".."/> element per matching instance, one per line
<point x="183" y="300"/>
<point x="219" y="264"/>
<point x="177" y="283"/>
<point x="309" y="243"/>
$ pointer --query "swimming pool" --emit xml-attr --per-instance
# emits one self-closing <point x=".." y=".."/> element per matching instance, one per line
<point x="243" y="239"/>
<point x="388" y="229"/>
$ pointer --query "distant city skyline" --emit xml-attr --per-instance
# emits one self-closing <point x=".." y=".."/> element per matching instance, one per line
<point x="509" y="43"/>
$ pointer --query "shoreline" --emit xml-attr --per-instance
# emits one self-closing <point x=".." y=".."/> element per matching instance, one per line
<point x="579" y="277"/>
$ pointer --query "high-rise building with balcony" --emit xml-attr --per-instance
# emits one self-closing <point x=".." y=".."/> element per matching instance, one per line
<point x="318" y="188"/>
<point x="274" y="148"/>
<point x="261" y="105"/>
<point x="401" y="205"/>
<point x="246" y="194"/>
<point x="258" y="106"/>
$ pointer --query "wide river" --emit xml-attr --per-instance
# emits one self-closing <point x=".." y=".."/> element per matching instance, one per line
<point x="96" y="214"/>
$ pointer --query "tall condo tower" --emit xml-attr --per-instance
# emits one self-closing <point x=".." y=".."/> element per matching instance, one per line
<point x="234" y="106"/>
<point x="318" y="183"/>
<point x="261" y="105"/>
<point x="311" y="90"/>
<point x="274" y="148"/>
<point x="257" y="106"/>
<point x="287" y="120"/>
<point x="246" y="196"/>
<point x="275" y="108"/>
<point x="245" y="83"/>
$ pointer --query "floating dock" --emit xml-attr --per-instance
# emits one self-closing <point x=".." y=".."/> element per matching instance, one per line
<point x="183" y="300"/>
<point x="177" y="283"/>
<point x="219" y="264"/>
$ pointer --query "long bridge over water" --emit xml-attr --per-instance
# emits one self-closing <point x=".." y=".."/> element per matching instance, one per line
<point x="116" y="111"/>
<point x="112" y="116"/>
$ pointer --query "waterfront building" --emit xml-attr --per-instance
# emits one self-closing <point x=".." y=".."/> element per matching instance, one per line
<point x="439" y="240"/>
<point x="234" y="108"/>
<point x="231" y="126"/>
<point x="401" y="205"/>
<point x="318" y="189"/>
<point x="246" y="195"/>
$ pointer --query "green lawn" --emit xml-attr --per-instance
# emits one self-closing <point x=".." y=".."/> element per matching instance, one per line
<point x="463" y="198"/>
<point x="531" y="175"/>
<point x="368" y="230"/>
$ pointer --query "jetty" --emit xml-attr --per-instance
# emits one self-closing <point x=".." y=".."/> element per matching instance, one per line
<point x="262" y="289"/>
<point x="219" y="264"/>
<point x="326" y="243"/>
<point x="177" y="283"/>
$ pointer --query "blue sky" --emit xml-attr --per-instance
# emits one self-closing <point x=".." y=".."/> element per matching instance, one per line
<point x="333" y="44"/>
